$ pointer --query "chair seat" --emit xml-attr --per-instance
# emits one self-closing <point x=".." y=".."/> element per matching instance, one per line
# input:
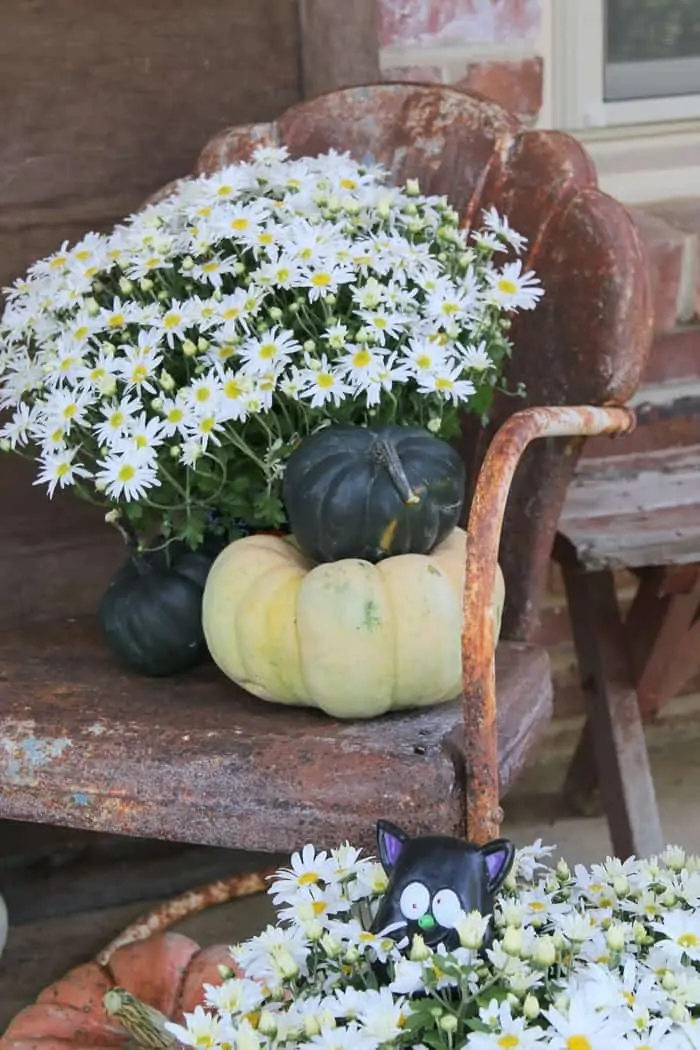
<point x="635" y="510"/>
<point x="195" y="759"/>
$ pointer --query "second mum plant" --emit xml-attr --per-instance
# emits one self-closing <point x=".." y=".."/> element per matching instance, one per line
<point x="299" y="312"/>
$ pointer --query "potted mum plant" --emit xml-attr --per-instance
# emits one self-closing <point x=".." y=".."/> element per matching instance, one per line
<point x="168" y="371"/>
<point x="590" y="959"/>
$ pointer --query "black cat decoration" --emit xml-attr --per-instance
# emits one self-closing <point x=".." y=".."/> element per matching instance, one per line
<point x="432" y="879"/>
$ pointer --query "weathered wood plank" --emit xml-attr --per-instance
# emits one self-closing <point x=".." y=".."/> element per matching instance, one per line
<point x="637" y="510"/>
<point x="195" y="759"/>
<point x="339" y="44"/>
<point x="100" y="104"/>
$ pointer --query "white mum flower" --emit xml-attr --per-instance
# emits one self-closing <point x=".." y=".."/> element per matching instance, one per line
<point x="323" y="384"/>
<point x="127" y="474"/>
<point x="58" y="470"/>
<point x="511" y="289"/>
<point x="307" y="868"/>
<point x="680" y="931"/>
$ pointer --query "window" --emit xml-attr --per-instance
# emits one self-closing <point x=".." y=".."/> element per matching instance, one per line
<point x="652" y="49"/>
<point x="622" y="62"/>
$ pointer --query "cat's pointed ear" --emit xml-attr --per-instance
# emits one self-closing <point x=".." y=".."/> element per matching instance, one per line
<point x="499" y="856"/>
<point x="391" y="840"/>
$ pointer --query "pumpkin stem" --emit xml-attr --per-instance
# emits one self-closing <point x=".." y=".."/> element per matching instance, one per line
<point x="385" y="453"/>
<point x="144" y="1023"/>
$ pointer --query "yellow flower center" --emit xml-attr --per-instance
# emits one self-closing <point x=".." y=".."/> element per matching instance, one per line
<point x="688" y="940"/>
<point x="62" y="469"/>
<point x="203" y="394"/>
<point x="234" y="390"/>
<point x="70" y="410"/>
<point x="250" y="304"/>
<point x="126" y="473"/>
<point x="66" y="364"/>
<point x="141" y="441"/>
<point x="207" y="424"/>
<point x="321" y="280"/>
<point x="325" y="380"/>
<point x="380" y="322"/>
<point x="231" y="313"/>
<point x="175" y="415"/>
<point x="116" y="419"/>
<point x="82" y="332"/>
<point x="443" y="384"/>
<point x="114" y="253"/>
<point x="59" y="262"/>
<point x="211" y="267"/>
<point x="81" y="256"/>
<point x="423" y="361"/>
<point x="223" y="191"/>
<point x="240" y="224"/>
<point x="139" y="373"/>
<point x="348" y="184"/>
<point x="171" y="321"/>
<point x="265" y="237"/>
<point x="283" y="274"/>
<point x="450" y="308"/>
<point x="152" y="262"/>
<point x="362" y="358"/>
<point x="629" y="998"/>
<point x="309" y="878"/>
<point x="117" y="321"/>
<point x="267" y="351"/>
<point x="97" y="374"/>
<point x="578" y="1042"/>
<point x="58" y="435"/>
<point x="205" y="209"/>
<point x="319" y="907"/>
<point x="537" y="906"/>
<point x="507" y="286"/>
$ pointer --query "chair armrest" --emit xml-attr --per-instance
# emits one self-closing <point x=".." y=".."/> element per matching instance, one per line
<point x="483" y="815"/>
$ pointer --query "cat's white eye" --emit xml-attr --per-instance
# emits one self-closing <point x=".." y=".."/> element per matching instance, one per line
<point x="447" y="908"/>
<point x="414" y="901"/>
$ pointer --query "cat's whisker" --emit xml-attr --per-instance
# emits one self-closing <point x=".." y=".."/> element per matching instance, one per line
<point x="392" y="927"/>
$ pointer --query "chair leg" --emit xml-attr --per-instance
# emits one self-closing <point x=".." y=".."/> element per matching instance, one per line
<point x="614" y="735"/>
<point x="658" y="627"/>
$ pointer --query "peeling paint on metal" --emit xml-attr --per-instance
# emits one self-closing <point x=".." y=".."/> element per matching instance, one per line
<point x="26" y="756"/>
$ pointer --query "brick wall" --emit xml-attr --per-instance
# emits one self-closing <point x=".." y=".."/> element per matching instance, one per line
<point x="485" y="45"/>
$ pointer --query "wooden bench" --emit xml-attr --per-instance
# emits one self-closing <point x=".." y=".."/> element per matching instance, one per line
<point x="639" y="512"/>
<point x="85" y="744"/>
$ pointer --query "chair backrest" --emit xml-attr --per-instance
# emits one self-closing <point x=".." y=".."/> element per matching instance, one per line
<point x="587" y="341"/>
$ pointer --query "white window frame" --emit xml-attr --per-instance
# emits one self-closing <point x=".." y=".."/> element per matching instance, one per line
<point x="642" y="152"/>
<point x="579" y="54"/>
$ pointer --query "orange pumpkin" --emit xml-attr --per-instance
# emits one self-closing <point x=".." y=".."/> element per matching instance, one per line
<point x="166" y="972"/>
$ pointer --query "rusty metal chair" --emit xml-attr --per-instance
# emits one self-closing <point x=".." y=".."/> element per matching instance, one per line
<point x="85" y="744"/>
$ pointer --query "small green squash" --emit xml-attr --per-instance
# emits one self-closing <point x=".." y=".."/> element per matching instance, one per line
<point x="372" y="492"/>
<point x="151" y="613"/>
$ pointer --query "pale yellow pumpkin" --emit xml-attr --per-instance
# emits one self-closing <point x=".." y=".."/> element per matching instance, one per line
<point x="355" y="639"/>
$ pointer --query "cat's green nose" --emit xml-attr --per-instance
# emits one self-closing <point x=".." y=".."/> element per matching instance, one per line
<point x="426" y="922"/>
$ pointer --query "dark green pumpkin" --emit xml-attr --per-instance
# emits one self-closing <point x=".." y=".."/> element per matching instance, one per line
<point x="372" y="492"/>
<point x="151" y="612"/>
